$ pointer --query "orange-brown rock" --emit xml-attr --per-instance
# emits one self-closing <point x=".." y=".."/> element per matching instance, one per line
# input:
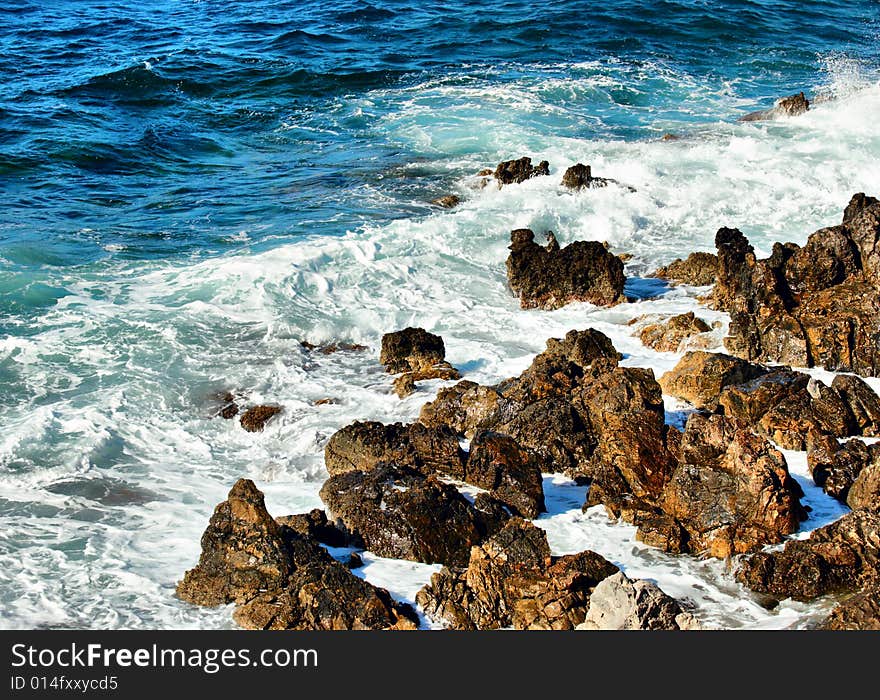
<point x="669" y="335"/>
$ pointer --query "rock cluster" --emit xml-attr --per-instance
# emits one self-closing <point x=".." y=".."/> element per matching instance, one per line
<point x="549" y="277"/>
<point x="418" y="355"/>
<point x="511" y="172"/>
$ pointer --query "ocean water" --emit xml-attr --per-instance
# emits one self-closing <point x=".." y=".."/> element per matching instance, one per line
<point x="189" y="189"/>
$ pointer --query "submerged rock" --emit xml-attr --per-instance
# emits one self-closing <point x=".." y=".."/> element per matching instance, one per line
<point x="548" y="277"/>
<point x="511" y="172"/>
<point x="668" y="336"/>
<point x="255" y="418"/>
<point x="791" y="106"/>
<point x="699" y="269"/>
<point x="332" y="348"/>
<point x="512" y="580"/>
<point x="405" y="385"/>
<point x="397" y="512"/>
<point x="280" y="579"/>
<point x="447" y="201"/>
<point x="618" y="603"/>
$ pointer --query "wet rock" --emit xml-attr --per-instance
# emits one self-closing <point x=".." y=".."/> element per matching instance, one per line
<point x="862" y="402"/>
<point x="791" y="106"/>
<point x="404" y="385"/>
<point x="865" y="490"/>
<point x="462" y="407"/>
<point x="835" y="467"/>
<point x="828" y="258"/>
<point x="397" y="512"/>
<point x="363" y="445"/>
<point x="515" y="171"/>
<point x="860" y="611"/>
<point x="228" y="408"/>
<point x="447" y="202"/>
<point x="512" y="473"/>
<point x="549" y="277"/>
<point x="278" y="578"/>
<point x="331" y="348"/>
<point x="857" y="203"/>
<point x="618" y="603"/>
<point x="668" y="336"/>
<point x="837" y="558"/>
<point x="580" y="176"/>
<point x="255" y="418"/>
<point x="698" y="269"/>
<point x="512" y="580"/>
<point x="314" y="525"/>
<point x="700" y="376"/>
<point x="355" y="561"/>
<point x="411" y="350"/>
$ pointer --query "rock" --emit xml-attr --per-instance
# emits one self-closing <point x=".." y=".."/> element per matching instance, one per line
<point x="280" y="579"/>
<point x="325" y="402"/>
<point x="404" y="385"/>
<point x="447" y="202"/>
<point x="700" y="376"/>
<point x="837" y="558"/>
<point x="865" y="490"/>
<point x="860" y="611"/>
<point x="699" y="269"/>
<point x="363" y="445"/>
<point x="828" y="258"/>
<point x="512" y="580"/>
<point x="512" y="473"/>
<point x="462" y="408"/>
<point x="397" y="512"/>
<point x="580" y="176"/>
<point x="255" y="418"/>
<point x="515" y="171"/>
<point x="549" y="277"/>
<point x="791" y="106"/>
<point x="485" y="171"/>
<point x="331" y="348"/>
<point x="355" y="561"/>
<point x="836" y="467"/>
<point x="668" y="336"/>
<point x="224" y="405"/>
<point x="411" y="350"/>
<point x="314" y="525"/>
<point x="862" y="402"/>
<point x="857" y="203"/>
<point x="617" y="603"/>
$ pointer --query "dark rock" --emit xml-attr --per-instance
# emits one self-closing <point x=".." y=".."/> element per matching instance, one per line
<point x="314" y="525"/>
<point x="462" y="407"/>
<point x="355" y="561"/>
<point x="699" y="269"/>
<point x="580" y="176"/>
<point x="860" y="611"/>
<point x="814" y="407"/>
<point x="512" y="473"/>
<point x="837" y="558"/>
<point x="699" y="377"/>
<point x="255" y="418"/>
<point x="447" y="202"/>
<point x="512" y="580"/>
<point x="227" y="407"/>
<point x="862" y="401"/>
<point x="363" y="445"/>
<point x="549" y="277"/>
<point x="515" y="171"/>
<point x="857" y="203"/>
<point x="397" y="512"/>
<point x="280" y="579"/>
<point x="791" y="106"/>
<point x="836" y="467"/>
<point x="668" y="336"/>
<point x="828" y="258"/>
<point x="331" y="348"/>
<point x="411" y="350"/>
<point x="618" y="603"/>
<point x="405" y="385"/>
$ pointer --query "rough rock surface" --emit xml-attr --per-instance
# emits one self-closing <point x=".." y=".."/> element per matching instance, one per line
<point x="700" y="376"/>
<point x="580" y="176"/>
<point x="512" y="580"/>
<point x="363" y="445"/>
<point x="858" y="612"/>
<point x="397" y="512"/>
<point x="698" y="269"/>
<point x="255" y="418"/>
<point x="791" y="106"/>
<point x="404" y="385"/>
<point x="512" y="473"/>
<point x="314" y="525"/>
<point x="447" y="201"/>
<point x="849" y="472"/>
<point x="548" y="277"/>
<point x="837" y="558"/>
<point x="415" y="350"/>
<point x="669" y="335"/>
<point x="816" y="305"/>
<point x="511" y="172"/>
<point x="618" y="603"/>
<point x="280" y="579"/>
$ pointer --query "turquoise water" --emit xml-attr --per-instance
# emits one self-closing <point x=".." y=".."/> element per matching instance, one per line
<point x="190" y="189"/>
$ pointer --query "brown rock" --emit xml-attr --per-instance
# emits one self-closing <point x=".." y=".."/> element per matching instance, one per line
<point x="314" y="525"/>
<point x="699" y="377"/>
<point x="791" y="106"/>
<point x="255" y="418"/>
<point x="668" y="336"/>
<point x="857" y="203"/>
<point x="862" y="402"/>
<point x="860" y="611"/>
<point x="404" y="385"/>
<point x="331" y="348"/>
<point x="512" y="473"/>
<point x="699" y="270"/>
<point x="411" y="350"/>
<point x="549" y="277"/>
<point x="462" y="407"/>
<point x="515" y="171"/>
<point x="447" y="202"/>
<point x="865" y="489"/>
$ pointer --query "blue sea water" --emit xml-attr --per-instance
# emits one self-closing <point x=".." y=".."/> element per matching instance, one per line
<point x="190" y="188"/>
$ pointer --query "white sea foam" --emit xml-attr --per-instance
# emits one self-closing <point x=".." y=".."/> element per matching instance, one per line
<point x="118" y="376"/>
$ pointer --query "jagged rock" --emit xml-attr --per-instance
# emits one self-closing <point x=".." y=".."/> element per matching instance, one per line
<point x="462" y="407"/>
<point x="280" y="579"/>
<point x="699" y="269"/>
<point x="363" y="445"/>
<point x="549" y="277"/>
<point x="865" y="490"/>
<point x="857" y="203"/>
<point x="447" y="201"/>
<point x="331" y="348"/>
<point x="355" y="561"/>
<point x="858" y="612"/>
<point x="668" y="336"/>
<point x="255" y="418"/>
<point x="512" y="580"/>
<point x="837" y="558"/>
<point x="404" y="385"/>
<point x="835" y="467"/>
<point x="512" y="473"/>
<point x="511" y="172"/>
<point x="791" y="106"/>
<point x="700" y="376"/>
<point x="314" y="525"/>
<point x="580" y="176"/>
<point x="828" y="258"/>
<point x="416" y="350"/>
<point x="397" y="512"/>
<point x="813" y="407"/>
<point x="862" y="402"/>
<point x="224" y="404"/>
<point x="618" y="603"/>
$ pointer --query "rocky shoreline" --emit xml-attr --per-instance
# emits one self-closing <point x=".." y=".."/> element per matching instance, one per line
<point x="459" y="486"/>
